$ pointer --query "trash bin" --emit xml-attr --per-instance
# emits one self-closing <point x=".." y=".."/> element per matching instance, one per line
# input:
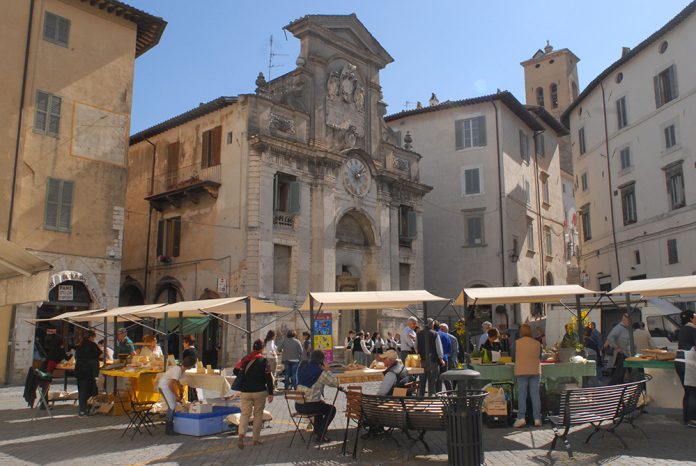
<point x="464" y="426"/>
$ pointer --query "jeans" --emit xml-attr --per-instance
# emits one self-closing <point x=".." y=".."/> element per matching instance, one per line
<point x="325" y="412"/>
<point x="257" y="401"/>
<point x="528" y="384"/>
<point x="291" y="374"/>
<point x="86" y="388"/>
<point x="689" y="400"/>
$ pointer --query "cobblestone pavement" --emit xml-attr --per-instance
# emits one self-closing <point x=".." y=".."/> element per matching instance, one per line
<point x="70" y="440"/>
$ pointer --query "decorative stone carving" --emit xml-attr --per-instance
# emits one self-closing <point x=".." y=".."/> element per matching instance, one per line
<point x="333" y="85"/>
<point x="294" y="95"/>
<point x="345" y="102"/>
<point x="282" y="124"/>
<point x="359" y="97"/>
<point x="407" y="141"/>
<point x="401" y="164"/>
<point x="261" y="83"/>
<point x="350" y="137"/>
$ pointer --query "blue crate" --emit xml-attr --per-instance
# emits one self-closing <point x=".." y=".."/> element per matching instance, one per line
<point x="204" y="423"/>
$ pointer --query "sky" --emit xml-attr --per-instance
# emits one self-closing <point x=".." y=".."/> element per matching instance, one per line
<point x="455" y="48"/>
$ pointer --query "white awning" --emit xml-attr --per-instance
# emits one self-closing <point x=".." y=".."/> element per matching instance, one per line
<point x="72" y="315"/>
<point x="120" y="313"/>
<point x="666" y="286"/>
<point x="217" y="306"/>
<point x="346" y="300"/>
<point x="521" y="294"/>
<point x="23" y="276"/>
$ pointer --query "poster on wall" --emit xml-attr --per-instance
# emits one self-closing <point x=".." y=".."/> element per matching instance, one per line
<point x="323" y="335"/>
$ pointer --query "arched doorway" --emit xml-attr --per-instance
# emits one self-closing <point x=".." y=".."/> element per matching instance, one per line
<point x="536" y="310"/>
<point x="356" y="266"/>
<point x="549" y="278"/>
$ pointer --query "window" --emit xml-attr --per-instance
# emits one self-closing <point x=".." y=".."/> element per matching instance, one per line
<point x="665" y="84"/>
<point x="663" y="327"/>
<point x="621" y="115"/>
<point x="548" y="241"/>
<point x="286" y="194"/>
<point x="56" y="29"/>
<point x="540" y="96"/>
<point x="586" y="226"/>
<point x="625" y="154"/>
<point x="470" y="132"/>
<point x="554" y="95"/>
<point x="628" y="204"/>
<point x="471" y="181"/>
<point x="675" y="185"/>
<point x="583" y="182"/>
<point x="407" y="225"/>
<point x="473" y="224"/>
<point x="230" y="137"/>
<point x="530" y="235"/>
<point x="524" y="146"/>
<point x="527" y="192"/>
<point x="670" y="136"/>
<point x="539" y="144"/>
<point x="636" y="255"/>
<point x="281" y="268"/>
<point x="59" y="200"/>
<point x="404" y="276"/>
<point x="545" y="190"/>
<point x="672" y="253"/>
<point x="212" y="140"/>
<point x="581" y="140"/>
<point x="47" y="116"/>
<point x="169" y="237"/>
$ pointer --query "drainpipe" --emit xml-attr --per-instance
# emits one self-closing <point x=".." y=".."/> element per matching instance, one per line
<point x="611" y="197"/>
<point x="540" y="226"/>
<point x="500" y="198"/>
<point x="19" y="120"/>
<point x="149" y="220"/>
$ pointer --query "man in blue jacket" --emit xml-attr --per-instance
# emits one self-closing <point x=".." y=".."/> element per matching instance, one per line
<point x="446" y="350"/>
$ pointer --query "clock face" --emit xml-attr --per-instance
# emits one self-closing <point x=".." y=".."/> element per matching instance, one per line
<point x="356" y="177"/>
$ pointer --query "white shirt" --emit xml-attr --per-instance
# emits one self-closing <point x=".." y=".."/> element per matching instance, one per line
<point x="271" y="350"/>
<point x="408" y="339"/>
<point x="173" y="373"/>
<point x="146" y="351"/>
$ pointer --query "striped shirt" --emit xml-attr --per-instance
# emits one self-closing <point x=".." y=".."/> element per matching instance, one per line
<point x="314" y="393"/>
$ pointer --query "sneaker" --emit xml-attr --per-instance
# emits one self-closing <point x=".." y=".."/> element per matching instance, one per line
<point x="519" y="423"/>
<point x="82" y="413"/>
<point x="691" y="424"/>
<point x="537" y="422"/>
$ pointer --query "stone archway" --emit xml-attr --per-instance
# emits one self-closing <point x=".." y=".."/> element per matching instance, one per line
<point x="131" y="293"/>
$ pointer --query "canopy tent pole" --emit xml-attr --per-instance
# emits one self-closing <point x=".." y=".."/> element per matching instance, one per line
<point x="165" y="350"/>
<point x="632" y="344"/>
<point x="153" y="328"/>
<point x="277" y="319"/>
<point x="578" y="310"/>
<point x="106" y="342"/>
<point x="302" y="317"/>
<point x="426" y="330"/>
<point x="215" y="316"/>
<point x="311" y="321"/>
<point x="181" y="336"/>
<point x="467" y="354"/>
<point x="247" y="302"/>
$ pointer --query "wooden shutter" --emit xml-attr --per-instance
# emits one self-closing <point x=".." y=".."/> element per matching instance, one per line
<point x="474" y="231"/>
<point x="176" y="236"/>
<point x="54" y="115"/>
<point x="658" y="91"/>
<point x="41" y="115"/>
<point x="160" y="238"/>
<point x="672" y="75"/>
<point x="411" y="224"/>
<point x="63" y="30"/>
<point x="52" y="203"/>
<point x="65" y="209"/>
<point x="215" y="145"/>
<point x="459" y="134"/>
<point x="294" y="188"/>
<point x="173" y="150"/>
<point x="50" y="26"/>
<point x="205" y="153"/>
<point x="482" y="130"/>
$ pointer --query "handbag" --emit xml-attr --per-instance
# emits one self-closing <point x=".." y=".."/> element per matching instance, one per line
<point x="237" y="384"/>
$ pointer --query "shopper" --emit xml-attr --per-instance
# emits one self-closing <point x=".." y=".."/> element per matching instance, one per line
<point x="87" y="370"/>
<point x="687" y="343"/>
<point x="292" y="353"/>
<point x="256" y="388"/>
<point x="527" y="374"/>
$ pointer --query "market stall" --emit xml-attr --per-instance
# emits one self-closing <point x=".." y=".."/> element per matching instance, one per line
<point x="549" y="372"/>
<point x="664" y="388"/>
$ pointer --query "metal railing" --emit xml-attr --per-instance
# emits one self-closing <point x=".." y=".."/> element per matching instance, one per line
<point x="186" y="176"/>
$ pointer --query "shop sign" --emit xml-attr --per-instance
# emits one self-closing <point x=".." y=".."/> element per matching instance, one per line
<point x="65" y="292"/>
<point x="222" y="286"/>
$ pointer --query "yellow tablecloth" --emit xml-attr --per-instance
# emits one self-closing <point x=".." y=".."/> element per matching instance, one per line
<point x="142" y="381"/>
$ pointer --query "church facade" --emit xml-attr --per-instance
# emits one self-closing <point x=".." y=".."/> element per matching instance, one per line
<point x="299" y="187"/>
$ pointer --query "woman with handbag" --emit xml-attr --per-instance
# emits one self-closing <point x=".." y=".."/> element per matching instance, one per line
<point x="255" y="382"/>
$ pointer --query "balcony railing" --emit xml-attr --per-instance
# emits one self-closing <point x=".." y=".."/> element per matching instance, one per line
<point x="283" y="220"/>
<point x="185" y="176"/>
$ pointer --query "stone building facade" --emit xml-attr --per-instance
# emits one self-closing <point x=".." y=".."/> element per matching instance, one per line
<point x="297" y="187"/>
<point x="637" y="207"/>
<point x="67" y="79"/>
<point x="495" y="216"/>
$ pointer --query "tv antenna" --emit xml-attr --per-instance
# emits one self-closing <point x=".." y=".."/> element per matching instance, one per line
<point x="272" y="54"/>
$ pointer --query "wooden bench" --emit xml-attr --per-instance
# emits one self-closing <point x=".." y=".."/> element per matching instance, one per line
<point x="604" y="408"/>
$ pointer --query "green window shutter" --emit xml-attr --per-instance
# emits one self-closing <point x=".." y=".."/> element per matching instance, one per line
<point x="295" y="197"/>
<point x="54" y="115"/>
<point x="63" y="31"/>
<point x="41" y="115"/>
<point x="66" y="202"/>
<point x="411" y="225"/>
<point x="177" y="236"/>
<point x="50" y="26"/>
<point x="672" y="73"/>
<point x="459" y="134"/>
<point x="52" y="203"/>
<point x="658" y="93"/>
<point x="482" y="130"/>
<point x="160" y="238"/>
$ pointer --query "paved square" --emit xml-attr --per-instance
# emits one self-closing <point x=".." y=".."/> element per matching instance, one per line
<point x="70" y="440"/>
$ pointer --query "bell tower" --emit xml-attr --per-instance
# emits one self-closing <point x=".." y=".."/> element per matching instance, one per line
<point x="551" y="79"/>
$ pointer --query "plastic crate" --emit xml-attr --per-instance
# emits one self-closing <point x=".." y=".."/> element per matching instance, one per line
<point x="203" y="424"/>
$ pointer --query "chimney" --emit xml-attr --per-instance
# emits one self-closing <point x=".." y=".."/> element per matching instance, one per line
<point x="624" y="51"/>
<point x="548" y="48"/>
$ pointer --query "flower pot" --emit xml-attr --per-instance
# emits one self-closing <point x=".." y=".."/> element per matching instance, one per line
<point x="476" y="360"/>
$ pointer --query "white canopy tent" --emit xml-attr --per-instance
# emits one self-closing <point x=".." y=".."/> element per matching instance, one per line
<point x="23" y="276"/>
<point x="72" y="315"/>
<point x="655" y="287"/>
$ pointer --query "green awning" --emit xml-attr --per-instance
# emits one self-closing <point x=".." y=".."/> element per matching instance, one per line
<point x="192" y="325"/>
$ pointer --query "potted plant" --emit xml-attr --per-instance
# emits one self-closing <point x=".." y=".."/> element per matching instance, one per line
<point x="477" y="357"/>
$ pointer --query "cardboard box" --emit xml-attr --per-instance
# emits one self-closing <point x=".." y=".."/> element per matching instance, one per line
<point x="497" y="408"/>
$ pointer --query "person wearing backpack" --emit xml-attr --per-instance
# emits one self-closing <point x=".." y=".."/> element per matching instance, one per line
<point x="395" y="374"/>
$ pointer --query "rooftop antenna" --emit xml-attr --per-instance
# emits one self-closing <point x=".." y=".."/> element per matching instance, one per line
<point x="272" y="54"/>
<point x="407" y="104"/>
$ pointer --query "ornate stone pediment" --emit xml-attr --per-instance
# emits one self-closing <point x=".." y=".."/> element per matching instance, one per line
<point x="345" y="102"/>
